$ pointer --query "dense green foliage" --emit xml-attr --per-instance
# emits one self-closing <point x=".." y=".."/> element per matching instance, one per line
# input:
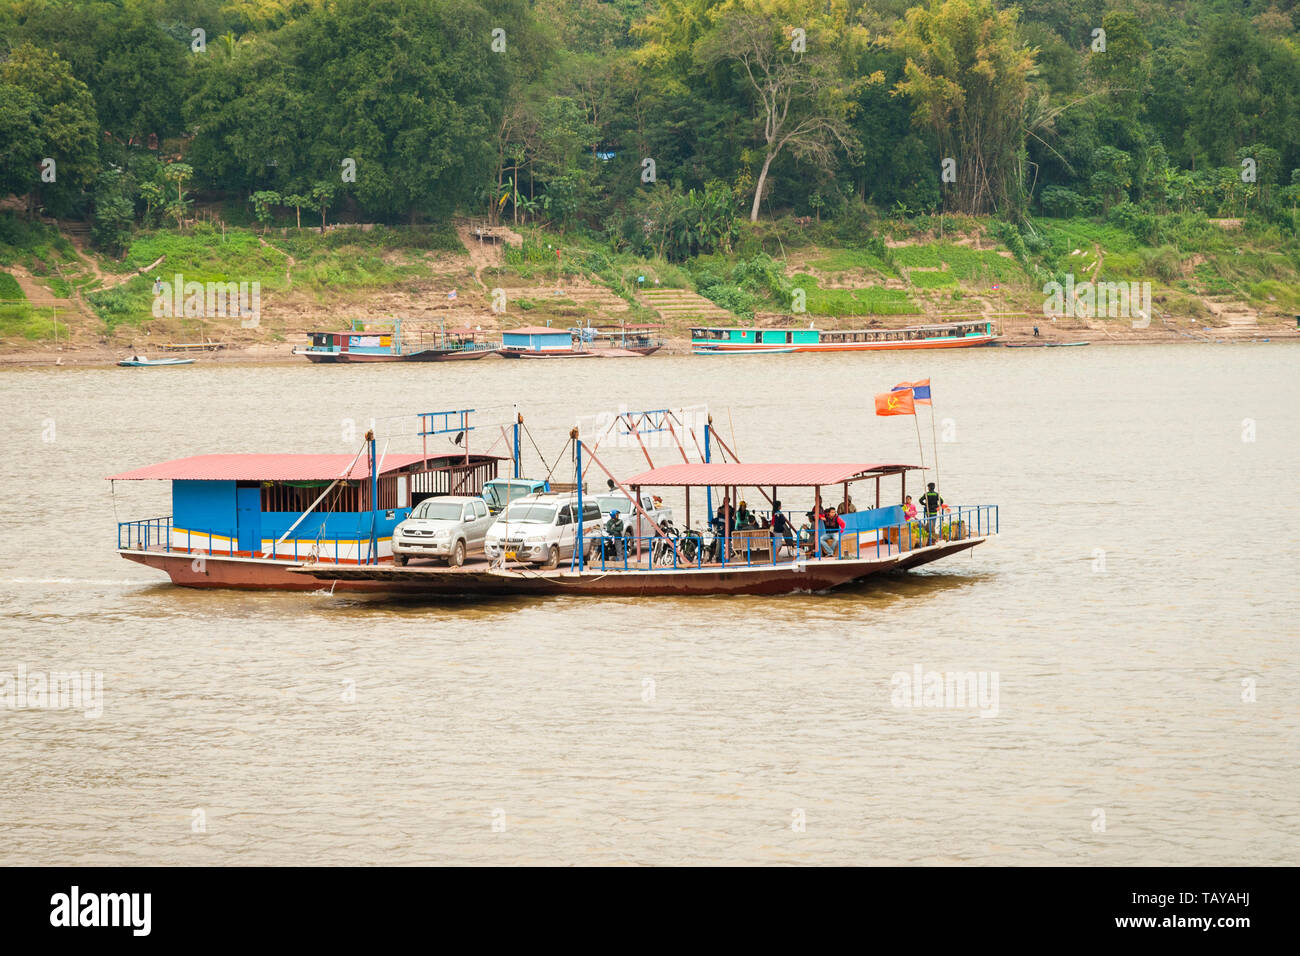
<point x="655" y="125"/>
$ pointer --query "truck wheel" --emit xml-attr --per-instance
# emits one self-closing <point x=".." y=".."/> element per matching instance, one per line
<point x="552" y="558"/>
<point x="399" y="560"/>
<point x="457" y="557"/>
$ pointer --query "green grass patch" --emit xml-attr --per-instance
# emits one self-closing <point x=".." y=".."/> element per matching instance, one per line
<point x="1272" y="294"/>
<point x="9" y="287"/>
<point x="26" y="322"/>
<point x="846" y="260"/>
<point x="872" y="300"/>
<point x="966" y="264"/>
<point x="931" y="280"/>
<point x="31" y="244"/>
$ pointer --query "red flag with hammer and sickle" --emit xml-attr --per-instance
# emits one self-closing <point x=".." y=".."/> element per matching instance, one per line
<point x="896" y="403"/>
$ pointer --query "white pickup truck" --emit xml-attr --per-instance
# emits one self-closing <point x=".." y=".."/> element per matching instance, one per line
<point x="653" y="506"/>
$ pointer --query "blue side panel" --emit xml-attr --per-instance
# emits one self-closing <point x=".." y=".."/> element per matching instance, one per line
<point x="341" y="524"/>
<point x="204" y="506"/>
<point x="874" y="518"/>
<point x="248" y="504"/>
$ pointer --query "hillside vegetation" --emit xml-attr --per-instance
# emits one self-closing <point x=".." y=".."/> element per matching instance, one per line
<point x="845" y="160"/>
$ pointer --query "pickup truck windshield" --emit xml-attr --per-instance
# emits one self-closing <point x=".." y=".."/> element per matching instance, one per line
<point x="609" y="502"/>
<point x="496" y="494"/>
<point x="435" y="510"/>
<point x="530" y="513"/>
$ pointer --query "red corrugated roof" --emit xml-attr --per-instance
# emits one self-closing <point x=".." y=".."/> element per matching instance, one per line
<point x="758" y="475"/>
<point x="536" y="330"/>
<point x="274" y="467"/>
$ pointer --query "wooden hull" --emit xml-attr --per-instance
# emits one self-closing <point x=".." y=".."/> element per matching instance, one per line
<point x="751" y="348"/>
<point x="245" y="574"/>
<point x="566" y="353"/>
<point x="1044" y="345"/>
<point x="425" y="355"/>
<point x="449" y="355"/>
<point x="785" y="578"/>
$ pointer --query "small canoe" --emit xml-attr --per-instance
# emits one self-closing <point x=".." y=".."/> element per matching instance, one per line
<point x="743" y="351"/>
<point x="1044" y="345"/>
<point x="139" y="361"/>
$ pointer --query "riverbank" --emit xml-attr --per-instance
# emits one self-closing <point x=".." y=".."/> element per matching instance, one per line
<point x="1019" y="333"/>
<point x="70" y="305"/>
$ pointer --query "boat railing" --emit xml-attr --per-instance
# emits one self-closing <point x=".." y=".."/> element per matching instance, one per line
<point x="155" y="534"/>
<point x="685" y="550"/>
<point x="147" y="534"/>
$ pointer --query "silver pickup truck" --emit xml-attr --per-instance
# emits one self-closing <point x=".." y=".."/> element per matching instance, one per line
<point x="448" y="527"/>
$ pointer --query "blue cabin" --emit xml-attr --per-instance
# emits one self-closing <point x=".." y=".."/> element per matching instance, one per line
<point x="320" y="505"/>
<point x="536" y="340"/>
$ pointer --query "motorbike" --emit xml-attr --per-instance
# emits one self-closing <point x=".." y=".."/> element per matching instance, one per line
<point x="696" y="547"/>
<point x="661" y="549"/>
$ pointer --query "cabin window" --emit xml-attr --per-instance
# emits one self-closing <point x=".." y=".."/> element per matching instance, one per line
<point x="401" y="491"/>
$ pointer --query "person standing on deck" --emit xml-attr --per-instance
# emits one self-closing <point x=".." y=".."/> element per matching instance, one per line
<point x="931" y="502"/>
<point x="781" y="526"/>
<point x="725" y="521"/>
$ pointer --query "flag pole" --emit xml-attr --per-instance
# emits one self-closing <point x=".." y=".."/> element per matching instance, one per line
<point x="935" y="439"/>
<point x="916" y="420"/>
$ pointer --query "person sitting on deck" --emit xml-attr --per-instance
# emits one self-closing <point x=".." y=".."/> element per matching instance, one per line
<point x="931" y="502"/>
<point x="832" y="528"/>
<point x="909" y="509"/>
<point x="847" y="507"/>
<point x="614" y="532"/>
<point x="744" y="517"/>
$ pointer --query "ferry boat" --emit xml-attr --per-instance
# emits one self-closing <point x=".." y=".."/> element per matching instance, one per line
<point x="246" y="520"/>
<point x="360" y="344"/>
<point x="658" y="560"/>
<point x="712" y="340"/>
<point x="626" y="339"/>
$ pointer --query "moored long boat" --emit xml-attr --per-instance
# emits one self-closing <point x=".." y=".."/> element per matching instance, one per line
<point x="359" y="345"/>
<point x="710" y="340"/>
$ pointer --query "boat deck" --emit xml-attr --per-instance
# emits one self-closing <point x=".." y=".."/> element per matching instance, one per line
<point x="478" y="577"/>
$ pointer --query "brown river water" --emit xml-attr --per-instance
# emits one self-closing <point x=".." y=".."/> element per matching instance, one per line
<point x="1135" y="627"/>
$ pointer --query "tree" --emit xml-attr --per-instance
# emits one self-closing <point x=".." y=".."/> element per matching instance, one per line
<point x="178" y="173"/>
<point x="322" y="195"/>
<point x="264" y="200"/>
<point x="298" y="201"/>
<point x="50" y="115"/>
<point x="967" y="74"/>
<point x="1112" y="177"/>
<point x="800" y="94"/>
<point x="153" y="196"/>
<point x="410" y="91"/>
<point x="114" y="211"/>
<point x="134" y="70"/>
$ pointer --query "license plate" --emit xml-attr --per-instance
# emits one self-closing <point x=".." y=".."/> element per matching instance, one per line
<point x="511" y="556"/>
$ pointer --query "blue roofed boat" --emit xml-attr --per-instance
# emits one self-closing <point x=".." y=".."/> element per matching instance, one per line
<point x="536" y="341"/>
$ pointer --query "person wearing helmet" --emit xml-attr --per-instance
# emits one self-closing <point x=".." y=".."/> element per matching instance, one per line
<point x="614" y="530"/>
